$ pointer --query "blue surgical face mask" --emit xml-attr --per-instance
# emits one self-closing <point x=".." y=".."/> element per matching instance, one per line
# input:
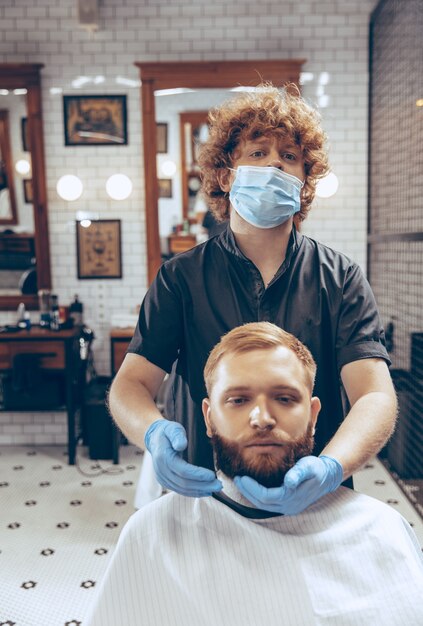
<point x="265" y="197"/>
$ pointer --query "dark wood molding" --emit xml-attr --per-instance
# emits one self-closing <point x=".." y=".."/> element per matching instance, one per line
<point x="219" y="74"/>
<point x="20" y="75"/>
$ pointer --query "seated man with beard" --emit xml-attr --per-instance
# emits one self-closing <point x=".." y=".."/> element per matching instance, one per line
<point x="346" y="560"/>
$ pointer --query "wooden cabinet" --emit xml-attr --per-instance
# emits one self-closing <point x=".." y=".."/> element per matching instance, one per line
<point x="181" y="243"/>
<point x="119" y="351"/>
<point x="119" y="340"/>
<point x="56" y="351"/>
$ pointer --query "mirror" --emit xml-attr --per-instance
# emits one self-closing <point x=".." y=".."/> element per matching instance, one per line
<point x="192" y="75"/>
<point x="24" y="242"/>
<point x="182" y="127"/>
<point x="193" y="132"/>
<point x="8" y="211"/>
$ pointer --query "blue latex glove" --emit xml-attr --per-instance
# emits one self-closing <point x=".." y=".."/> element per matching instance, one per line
<point x="165" y="441"/>
<point x="311" y="478"/>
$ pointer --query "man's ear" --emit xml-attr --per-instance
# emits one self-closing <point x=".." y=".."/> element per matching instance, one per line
<point x="205" y="405"/>
<point x="224" y="179"/>
<point x="315" y="407"/>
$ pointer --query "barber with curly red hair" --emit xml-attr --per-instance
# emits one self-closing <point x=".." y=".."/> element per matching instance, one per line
<point x="260" y="166"/>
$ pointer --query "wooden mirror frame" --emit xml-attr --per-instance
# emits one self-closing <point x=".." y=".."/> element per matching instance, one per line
<point x="27" y="76"/>
<point x="6" y="157"/>
<point x="193" y="75"/>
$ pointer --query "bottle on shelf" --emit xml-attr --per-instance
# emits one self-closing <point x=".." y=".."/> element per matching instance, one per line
<point x="22" y="317"/>
<point x="54" y="313"/>
<point x="44" y="305"/>
<point x="20" y="313"/>
<point x="76" y="311"/>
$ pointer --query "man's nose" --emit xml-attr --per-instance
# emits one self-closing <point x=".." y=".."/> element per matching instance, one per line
<point x="275" y="161"/>
<point x="261" y="417"/>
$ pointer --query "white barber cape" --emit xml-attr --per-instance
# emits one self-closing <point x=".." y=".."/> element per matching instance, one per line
<point x="348" y="560"/>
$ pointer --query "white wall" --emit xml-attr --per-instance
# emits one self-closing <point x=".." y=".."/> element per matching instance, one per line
<point x="331" y="35"/>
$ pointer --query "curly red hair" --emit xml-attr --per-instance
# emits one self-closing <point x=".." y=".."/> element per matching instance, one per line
<point x="265" y="111"/>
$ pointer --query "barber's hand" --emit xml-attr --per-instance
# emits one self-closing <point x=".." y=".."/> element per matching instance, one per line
<point x="311" y="478"/>
<point x="165" y="440"/>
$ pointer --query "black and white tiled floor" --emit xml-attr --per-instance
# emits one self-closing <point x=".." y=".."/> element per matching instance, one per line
<point x="59" y="527"/>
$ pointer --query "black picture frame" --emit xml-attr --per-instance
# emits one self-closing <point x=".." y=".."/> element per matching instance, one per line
<point x="95" y="120"/>
<point x="99" y="249"/>
<point x="161" y="138"/>
<point x="165" y="187"/>
<point x="24" y="135"/>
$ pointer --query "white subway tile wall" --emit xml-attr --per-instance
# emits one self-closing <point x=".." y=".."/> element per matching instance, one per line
<point x="331" y="36"/>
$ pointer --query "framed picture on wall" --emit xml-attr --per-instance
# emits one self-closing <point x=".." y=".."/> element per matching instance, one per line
<point x="99" y="251"/>
<point x="95" y="120"/>
<point x="165" y="187"/>
<point x="24" y="133"/>
<point x="161" y="138"/>
<point x="27" y="188"/>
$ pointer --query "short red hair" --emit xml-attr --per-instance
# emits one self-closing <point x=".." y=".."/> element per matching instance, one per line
<point x="258" y="336"/>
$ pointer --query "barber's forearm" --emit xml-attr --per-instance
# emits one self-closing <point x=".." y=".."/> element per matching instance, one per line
<point x="365" y="430"/>
<point x="133" y="409"/>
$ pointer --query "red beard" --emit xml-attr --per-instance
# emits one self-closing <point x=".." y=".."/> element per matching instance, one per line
<point x="267" y="468"/>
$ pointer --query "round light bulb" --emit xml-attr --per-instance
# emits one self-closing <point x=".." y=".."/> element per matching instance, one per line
<point x="327" y="186"/>
<point x="69" y="187"/>
<point x="168" y="168"/>
<point x="119" y="186"/>
<point x="23" y="167"/>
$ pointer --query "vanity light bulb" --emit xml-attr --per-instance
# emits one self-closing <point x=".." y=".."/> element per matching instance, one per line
<point x="119" y="186"/>
<point x="327" y="186"/>
<point x="69" y="187"/>
<point x="23" y="167"/>
<point x="168" y="168"/>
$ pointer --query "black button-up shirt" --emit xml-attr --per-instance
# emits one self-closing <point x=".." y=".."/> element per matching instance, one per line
<point x="318" y="295"/>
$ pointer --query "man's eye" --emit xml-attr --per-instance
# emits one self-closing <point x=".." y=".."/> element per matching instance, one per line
<point x="289" y="156"/>
<point x="284" y="399"/>
<point x="257" y="153"/>
<point x="237" y="401"/>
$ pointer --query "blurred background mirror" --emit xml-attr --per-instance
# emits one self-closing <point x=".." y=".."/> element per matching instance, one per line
<point x="24" y="239"/>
